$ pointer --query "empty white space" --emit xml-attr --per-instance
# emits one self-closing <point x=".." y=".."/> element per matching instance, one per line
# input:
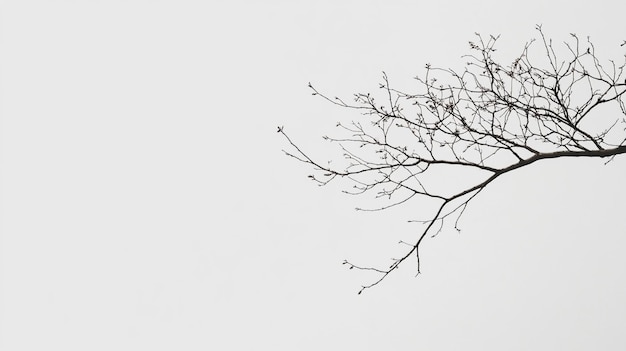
<point x="146" y="203"/>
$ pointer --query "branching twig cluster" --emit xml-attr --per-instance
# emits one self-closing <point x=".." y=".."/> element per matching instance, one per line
<point x="489" y="119"/>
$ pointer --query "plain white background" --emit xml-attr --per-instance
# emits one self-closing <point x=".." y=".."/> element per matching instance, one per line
<point x="146" y="203"/>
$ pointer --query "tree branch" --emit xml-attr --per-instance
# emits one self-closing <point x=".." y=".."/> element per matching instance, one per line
<point x="487" y="121"/>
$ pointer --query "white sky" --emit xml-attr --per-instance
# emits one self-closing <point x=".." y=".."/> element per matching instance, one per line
<point x="146" y="204"/>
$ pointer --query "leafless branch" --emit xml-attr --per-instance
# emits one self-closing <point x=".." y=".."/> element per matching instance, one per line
<point x="487" y="120"/>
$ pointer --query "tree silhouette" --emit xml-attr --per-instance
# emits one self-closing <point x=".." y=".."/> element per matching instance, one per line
<point x="478" y="124"/>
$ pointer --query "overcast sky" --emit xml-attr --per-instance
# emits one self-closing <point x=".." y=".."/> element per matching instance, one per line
<point x="146" y="203"/>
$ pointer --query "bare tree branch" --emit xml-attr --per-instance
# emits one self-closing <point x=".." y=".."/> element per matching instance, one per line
<point x="487" y="120"/>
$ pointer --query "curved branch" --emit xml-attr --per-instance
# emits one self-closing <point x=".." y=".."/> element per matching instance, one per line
<point x="487" y="121"/>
